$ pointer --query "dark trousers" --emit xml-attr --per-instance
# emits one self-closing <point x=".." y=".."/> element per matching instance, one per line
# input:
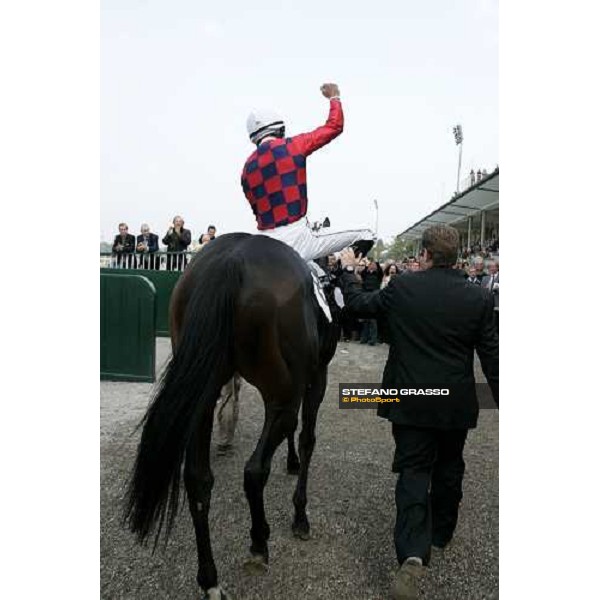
<point x="430" y="469"/>
<point x="369" y="332"/>
<point x="176" y="262"/>
<point x="349" y="324"/>
<point x="125" y="260"/>
<point x="147" y="261"/>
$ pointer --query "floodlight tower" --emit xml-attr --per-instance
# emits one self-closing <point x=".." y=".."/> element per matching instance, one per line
<point x="458" y="138"/>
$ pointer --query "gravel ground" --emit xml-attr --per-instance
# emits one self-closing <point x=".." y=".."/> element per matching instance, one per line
<point x="351" y="507"/>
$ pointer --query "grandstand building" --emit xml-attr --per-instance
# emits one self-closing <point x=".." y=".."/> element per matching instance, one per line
<point x="474" y="212"/>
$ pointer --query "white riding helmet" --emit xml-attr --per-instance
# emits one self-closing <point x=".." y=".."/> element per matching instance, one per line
<point x="262" y="123"/>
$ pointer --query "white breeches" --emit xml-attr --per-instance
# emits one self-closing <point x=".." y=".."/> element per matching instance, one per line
<point x="316" y="244"/>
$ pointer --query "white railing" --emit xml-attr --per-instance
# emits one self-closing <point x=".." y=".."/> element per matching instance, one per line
<point x="154" y="261"/>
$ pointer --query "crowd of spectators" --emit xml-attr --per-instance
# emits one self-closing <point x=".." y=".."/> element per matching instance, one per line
<point x="479" y="269"/>
<point x="487" y="249"/>
<point x="479" y="264"/>
<point x="141" y="252"/>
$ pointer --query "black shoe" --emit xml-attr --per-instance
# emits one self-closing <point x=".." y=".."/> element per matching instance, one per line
<point x="440" y="544"/>
<point x="362" y="247"/>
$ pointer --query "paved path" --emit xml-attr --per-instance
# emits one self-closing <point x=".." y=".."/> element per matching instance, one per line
<point x="351" y="507"/>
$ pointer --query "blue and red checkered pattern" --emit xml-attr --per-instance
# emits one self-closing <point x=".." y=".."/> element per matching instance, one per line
<point x="274" y="176"/>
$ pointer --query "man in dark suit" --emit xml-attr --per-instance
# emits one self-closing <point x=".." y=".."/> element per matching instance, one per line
<point x="492" y="282"/>
<point x="123" y="248"/>
<point x="479" y="265"/>
<point x="147" y="246"/>
<point x="371" y="281"/>
<point x="471" y="275"/>
<point x="436" y="321"/>
<point x="177" y="239"/>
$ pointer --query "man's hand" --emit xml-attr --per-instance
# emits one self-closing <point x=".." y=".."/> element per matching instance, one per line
<point x="330" y="90"/>
<point x="348" y="259"/>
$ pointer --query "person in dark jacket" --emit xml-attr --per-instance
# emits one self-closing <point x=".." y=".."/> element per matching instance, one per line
<point x="177" y="239"/>
<point x="471" y="275"/>
<point x="436" y="322"/>
<point x="123" y="248"/>
<point x="147" y="246"/>
<point x="371" y="281"/>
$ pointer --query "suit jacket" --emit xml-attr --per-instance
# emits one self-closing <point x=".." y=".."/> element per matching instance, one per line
<point x="128" y="244"/>
<point x="152" y="242"/>
<point x="487" y="284"/>
<point x="371" y="280"/>
<point x="178" y="242"/>
<point x="436" y="321"/>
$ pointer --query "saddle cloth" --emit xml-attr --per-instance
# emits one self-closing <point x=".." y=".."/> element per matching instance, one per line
<point x="318" y="274"/>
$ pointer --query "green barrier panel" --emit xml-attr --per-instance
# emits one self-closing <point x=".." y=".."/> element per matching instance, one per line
<point x="127" y="328"/>
<point x="164" y="282"/>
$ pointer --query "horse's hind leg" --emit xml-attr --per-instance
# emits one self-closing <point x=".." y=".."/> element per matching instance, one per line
<point x="199" y="480"/>
<point x="293" y="462"/>
<point x="279" y="423"/>
<point x="310" y="408"/>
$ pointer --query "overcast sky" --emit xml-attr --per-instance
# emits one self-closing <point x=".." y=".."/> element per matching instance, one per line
<point x="180" y="76"/>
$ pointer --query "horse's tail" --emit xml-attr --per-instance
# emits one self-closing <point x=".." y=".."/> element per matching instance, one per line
<point x="201" y="363"/>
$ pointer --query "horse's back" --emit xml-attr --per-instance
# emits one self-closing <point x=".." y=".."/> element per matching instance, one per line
<point x="275" y="312"/>
<point x="276" y="315"/>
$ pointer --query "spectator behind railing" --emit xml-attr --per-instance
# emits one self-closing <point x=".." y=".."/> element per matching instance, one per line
<point x="205" y="239"/>
<point x="147" y="246"/>
<point x="211" y="232"/>
<point x="177" y="239"/>
<point x="123" y="247"/>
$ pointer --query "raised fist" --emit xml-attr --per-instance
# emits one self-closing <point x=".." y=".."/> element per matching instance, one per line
<point x="330" y="90"/>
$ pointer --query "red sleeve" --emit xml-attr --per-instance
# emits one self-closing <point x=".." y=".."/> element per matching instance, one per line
<point x="309" y="142"/>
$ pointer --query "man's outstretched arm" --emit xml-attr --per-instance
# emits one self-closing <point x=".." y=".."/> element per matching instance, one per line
<point x="357" y="300"/>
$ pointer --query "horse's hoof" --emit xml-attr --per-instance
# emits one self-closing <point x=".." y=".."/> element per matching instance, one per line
<point x="256" y="564"/>
<point x="216" y="593"/>
<point x="293" y="469"/>
<point x="301" y="532"/>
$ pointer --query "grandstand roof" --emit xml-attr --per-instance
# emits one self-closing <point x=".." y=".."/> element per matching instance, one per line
<point x="484" y="195"/>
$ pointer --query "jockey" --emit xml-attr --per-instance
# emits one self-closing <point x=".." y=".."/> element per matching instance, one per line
<point x="274" y="182"/>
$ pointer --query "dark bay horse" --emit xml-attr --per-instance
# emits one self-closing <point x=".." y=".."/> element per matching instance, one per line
<point x="244" y="305"/>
